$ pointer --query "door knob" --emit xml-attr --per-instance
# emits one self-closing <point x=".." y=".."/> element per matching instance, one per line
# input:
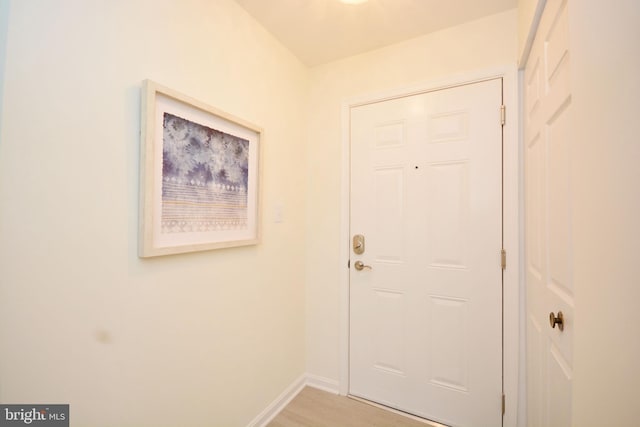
<point x="556" y="320"/>
<point x="359" y="265"/>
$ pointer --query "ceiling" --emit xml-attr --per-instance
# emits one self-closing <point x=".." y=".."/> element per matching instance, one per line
<point x="321" y="31"/>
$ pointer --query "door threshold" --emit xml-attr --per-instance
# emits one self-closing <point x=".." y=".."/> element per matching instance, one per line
<point x="397" y="411"/>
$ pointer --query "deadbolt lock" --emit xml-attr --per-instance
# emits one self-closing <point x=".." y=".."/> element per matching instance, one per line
<point x="358" y="244"/>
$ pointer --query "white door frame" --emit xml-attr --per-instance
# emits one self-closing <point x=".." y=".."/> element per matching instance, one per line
<point x="512" y="305"/>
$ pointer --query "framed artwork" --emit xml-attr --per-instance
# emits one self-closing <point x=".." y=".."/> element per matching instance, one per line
<point x="199" y="176"/>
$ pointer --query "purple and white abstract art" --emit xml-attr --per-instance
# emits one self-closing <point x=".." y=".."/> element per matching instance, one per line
<point x="205" y="174"/>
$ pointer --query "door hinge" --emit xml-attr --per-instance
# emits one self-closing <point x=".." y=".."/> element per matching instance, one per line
<point x="503" y="259"/>
<point x="504" y="405"/>
<point x="503" y="114"/>
<point x="349" y="263"/>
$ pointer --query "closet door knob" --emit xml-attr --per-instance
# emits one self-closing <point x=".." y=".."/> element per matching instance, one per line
<point x="556" y="320"/>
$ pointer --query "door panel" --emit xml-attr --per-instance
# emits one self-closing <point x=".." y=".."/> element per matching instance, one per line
<point x="448" y="226"/>
<point x="449" y="352"/>
<point x="389" y="213"/>
<point x="548" y="196"/>
<point x="426" y="317"/>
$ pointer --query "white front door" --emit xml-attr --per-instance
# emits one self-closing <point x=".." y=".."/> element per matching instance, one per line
<point x="426" y="308"/>
<point x="548" y="145"/>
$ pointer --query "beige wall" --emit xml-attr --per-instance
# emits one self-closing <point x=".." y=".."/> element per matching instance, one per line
<point x="203" y="339"/>
<point x="605" y="66"/>
<point x="4" y="24"/>
<point x="484" y="44"/>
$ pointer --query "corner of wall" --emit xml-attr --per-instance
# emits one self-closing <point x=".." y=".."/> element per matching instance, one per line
<point x="275" y="407"/>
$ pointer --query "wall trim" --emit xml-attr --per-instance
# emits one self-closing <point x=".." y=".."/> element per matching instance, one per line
<point x="322" y="383"/>
<point x="531" y="34"/>
<point x="305" y="380"/>
<point x="512" y="219"/>
<point x="271" y="411"/>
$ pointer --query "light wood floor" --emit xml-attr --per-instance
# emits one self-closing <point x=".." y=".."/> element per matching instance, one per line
<point x="316" y="408"/>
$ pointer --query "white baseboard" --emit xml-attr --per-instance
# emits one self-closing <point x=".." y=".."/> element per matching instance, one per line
<point x="279" y="404"/>
<point x="322" y="383"/>
<point x="315" y="381"/>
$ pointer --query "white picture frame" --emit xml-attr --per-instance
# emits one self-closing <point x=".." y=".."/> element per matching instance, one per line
<point x="199" y="176"/>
